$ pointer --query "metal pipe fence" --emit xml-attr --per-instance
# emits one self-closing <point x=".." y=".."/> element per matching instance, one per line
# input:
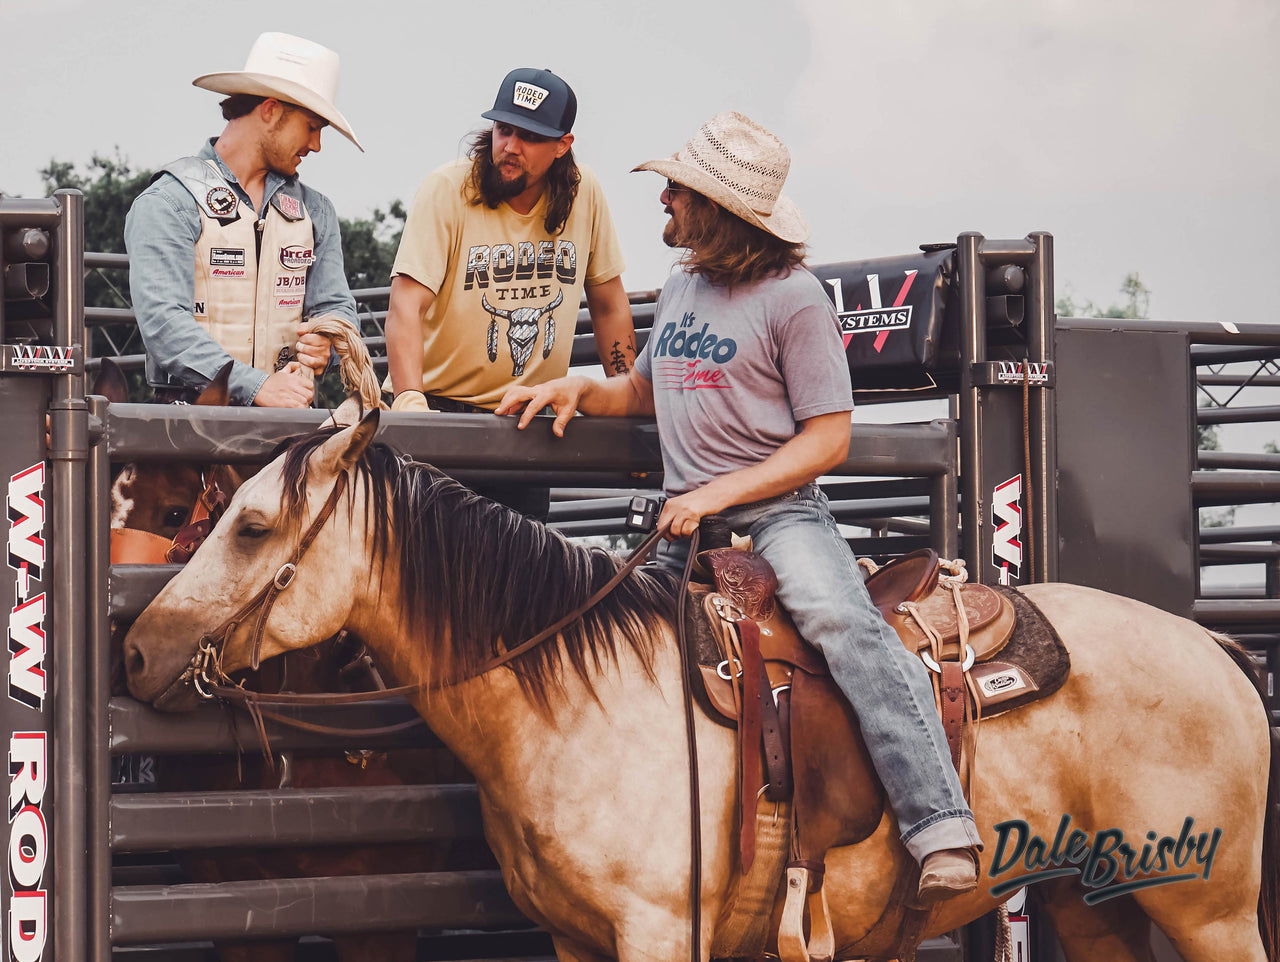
<point x="1245" y="362"/>
<point x="915" y="501"/>
<point x="608" y="451"/>
<point x="603" y="462"/>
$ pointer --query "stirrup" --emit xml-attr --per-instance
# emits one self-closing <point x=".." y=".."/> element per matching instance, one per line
<point x="792" y="946"/>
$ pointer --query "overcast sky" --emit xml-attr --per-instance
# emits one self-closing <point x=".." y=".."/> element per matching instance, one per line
<point x="1143" y="135"/>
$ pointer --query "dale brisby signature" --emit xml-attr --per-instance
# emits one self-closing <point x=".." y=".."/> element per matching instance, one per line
<point x="1107" y="863"/>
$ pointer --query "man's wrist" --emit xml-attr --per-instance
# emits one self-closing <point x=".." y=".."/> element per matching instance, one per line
<point x="249" y="387"/>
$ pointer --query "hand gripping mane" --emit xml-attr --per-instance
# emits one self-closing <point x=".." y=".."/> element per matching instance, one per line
<point x="522" y="331"/>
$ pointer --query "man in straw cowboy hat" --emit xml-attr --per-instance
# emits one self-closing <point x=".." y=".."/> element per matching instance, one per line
<point x="497" y="251"/>
<point x="745" y="370"/>
<point x="229" y="253"/>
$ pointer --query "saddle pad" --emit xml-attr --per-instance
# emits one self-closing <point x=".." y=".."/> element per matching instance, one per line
<point x="1034" y="652"/>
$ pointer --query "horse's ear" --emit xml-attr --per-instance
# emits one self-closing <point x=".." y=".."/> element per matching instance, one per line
<point x="344" y="448"/>
<point x="347" y="413"/>
<point x="216" y="393"/>
<point x="111" y="382"/>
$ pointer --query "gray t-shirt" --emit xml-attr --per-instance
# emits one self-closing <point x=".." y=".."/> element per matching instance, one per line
<point x="734" y="369"/>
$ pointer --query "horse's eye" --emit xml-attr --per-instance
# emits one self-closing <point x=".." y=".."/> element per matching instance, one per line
<point x="254" y="531"/>
<point x="174" y="517"/>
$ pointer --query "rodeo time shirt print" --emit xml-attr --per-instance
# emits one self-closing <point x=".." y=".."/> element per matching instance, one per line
<point x="507" y="292"/>
<point x="735" y="369"/>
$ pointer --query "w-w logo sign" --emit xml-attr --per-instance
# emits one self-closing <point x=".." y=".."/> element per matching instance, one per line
<point x="40" y="357"/>
<point x="1006" y="515"/>
<point x="1015" y="372"/>
<point x="880" y="319"/>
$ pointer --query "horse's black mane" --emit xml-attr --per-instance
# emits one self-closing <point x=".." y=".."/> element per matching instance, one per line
<point x="478" y="578"/>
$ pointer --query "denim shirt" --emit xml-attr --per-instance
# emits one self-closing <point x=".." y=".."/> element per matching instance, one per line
<point x="160" y="235"/>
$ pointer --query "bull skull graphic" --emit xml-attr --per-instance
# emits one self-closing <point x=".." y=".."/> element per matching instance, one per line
<point x="522" y="331"/>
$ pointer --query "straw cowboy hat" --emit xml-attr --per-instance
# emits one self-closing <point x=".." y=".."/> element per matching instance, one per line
<point x="290" y="69"/>
<point x="735" y="162"/>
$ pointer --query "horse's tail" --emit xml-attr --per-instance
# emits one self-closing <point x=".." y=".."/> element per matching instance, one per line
<point x="1269" y="896"/>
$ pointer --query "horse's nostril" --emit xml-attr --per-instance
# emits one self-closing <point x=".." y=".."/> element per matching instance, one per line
<point x="134" y="661"/>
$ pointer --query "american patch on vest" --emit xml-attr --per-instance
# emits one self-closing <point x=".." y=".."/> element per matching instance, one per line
<point x="296" y="257"/>
<point x="227" y="257"/>
<point x="221" y="200"/>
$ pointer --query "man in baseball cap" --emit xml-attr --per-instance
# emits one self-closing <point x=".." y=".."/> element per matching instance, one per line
<point x="497" y="251"/>
<point x="267" y="248"/>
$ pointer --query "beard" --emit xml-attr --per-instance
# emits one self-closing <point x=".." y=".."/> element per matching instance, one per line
<point x="672" y="236"/>
<point x="277" y="155"/>
<point x="495" y="189"/>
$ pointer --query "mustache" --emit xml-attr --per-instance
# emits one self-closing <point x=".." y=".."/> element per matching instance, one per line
<point x="495" y="189"/>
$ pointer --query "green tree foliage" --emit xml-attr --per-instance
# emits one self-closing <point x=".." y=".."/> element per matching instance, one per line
<point x="1137" y="299"/>
<point x="369" y="246"/>
<point x="109" y="186"/>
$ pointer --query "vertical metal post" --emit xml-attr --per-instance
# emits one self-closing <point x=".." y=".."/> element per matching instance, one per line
<point x="944" y="518"/>
<point x="973" y="348"/>
<point x="1041" y="319"/>
<point x="1" y="285"/>
<point x="97" y="562"/>
<point x="68" y="453"/>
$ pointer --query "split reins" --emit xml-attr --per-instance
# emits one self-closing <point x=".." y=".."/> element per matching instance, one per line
<point x="210" y="681"/>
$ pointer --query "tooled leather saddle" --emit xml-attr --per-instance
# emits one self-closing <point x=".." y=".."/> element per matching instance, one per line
<point x="800" y="740"/>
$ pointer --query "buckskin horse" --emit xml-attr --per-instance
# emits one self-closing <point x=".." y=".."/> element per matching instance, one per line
<point x="151" y="502"/>
<point x="578" y="746"/>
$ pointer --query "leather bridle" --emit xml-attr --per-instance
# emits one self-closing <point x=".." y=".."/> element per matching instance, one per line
<point x="207" y="676"/>
<point x="134" y="546"/>
<point x="206" y="663"/>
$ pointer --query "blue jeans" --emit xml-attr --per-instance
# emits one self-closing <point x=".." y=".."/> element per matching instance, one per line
<point x="820" y="584"/>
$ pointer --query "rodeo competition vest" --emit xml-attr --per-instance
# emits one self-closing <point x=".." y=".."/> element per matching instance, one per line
<point x="251" y="275"/>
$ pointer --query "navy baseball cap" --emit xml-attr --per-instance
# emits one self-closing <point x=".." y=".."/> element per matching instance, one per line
<point x="535" y="100"/>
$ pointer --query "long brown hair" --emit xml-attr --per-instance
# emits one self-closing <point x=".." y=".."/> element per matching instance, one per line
<point x="562" y="181"/>
<point x="728" y="250"/>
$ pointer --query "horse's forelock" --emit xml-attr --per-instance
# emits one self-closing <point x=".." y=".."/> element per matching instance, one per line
<point x="375" y="472"/>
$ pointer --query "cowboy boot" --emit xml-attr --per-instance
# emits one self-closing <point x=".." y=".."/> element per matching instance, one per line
<point x="947" y="873"/>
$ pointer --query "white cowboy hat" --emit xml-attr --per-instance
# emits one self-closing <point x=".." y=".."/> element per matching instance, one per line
<point x="735" y="162"/>
<point x="291" y="69"/>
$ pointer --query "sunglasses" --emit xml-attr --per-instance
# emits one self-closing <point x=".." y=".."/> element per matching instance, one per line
<point x="672" y="186"/>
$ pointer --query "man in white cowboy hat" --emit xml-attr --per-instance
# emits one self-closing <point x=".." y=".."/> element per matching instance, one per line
<point x="230" y="255"/>
<point x="497" y="251"/>
<point x="746" y="372"/>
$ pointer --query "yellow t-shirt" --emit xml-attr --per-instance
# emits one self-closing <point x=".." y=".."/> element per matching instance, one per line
<point x="507" y="292"/>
